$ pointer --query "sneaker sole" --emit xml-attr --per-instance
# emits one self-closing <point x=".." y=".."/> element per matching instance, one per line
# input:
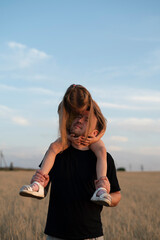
<point x="101" y="202"/>
<point x="26" y="194"/>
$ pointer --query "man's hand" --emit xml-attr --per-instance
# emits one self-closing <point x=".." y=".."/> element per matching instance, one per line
<point x="40" y="177"/>
<point x="103" y="182"/>
<point x="116" y="197"/>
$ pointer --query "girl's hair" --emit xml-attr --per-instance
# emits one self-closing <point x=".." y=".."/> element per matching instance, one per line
<point x="101" y="121"/>
<point x="76" y="100"/>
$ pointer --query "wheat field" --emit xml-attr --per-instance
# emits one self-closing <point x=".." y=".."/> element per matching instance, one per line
<point x="136" y="217"/>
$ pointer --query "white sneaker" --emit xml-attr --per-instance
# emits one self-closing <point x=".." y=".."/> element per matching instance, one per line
<point x="104" y="199"/>
<point x="27" y="191"/>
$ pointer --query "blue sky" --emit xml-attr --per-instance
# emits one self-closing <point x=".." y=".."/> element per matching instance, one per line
<point x="112" y="48"/>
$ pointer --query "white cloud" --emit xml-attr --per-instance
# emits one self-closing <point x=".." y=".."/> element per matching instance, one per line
<point x="119" y="106"/>
<point x="127" y="93"/>
<point x="151" y="99"/>
<point x="144" y="69"/>
<point x="20" y="121"/>
<point x="139" y="122"/>
<point x="10" y="114"/>
<point x="21" y="155"/>
<point x="42" y="91"/>
<point x="20" y="57"/>
<point x="29" y="52"/>
<point x="142" y="39"/>
<point x="147" y="150"/>
<point x="4" y="87"/>
<point x="119" y="139"/>
<point x="36" y="53"/>
<point x="113" y="148"/>
<point x="142" y="96"/>
<point x="127" y="98"/>
<point x="16" y="45"/>
<point x="5" y="111"/>
<point x="34" y="90"/>
<point x="136" y="124"/>
<point x="112" y="105"/>
<point x="31" y="56"/>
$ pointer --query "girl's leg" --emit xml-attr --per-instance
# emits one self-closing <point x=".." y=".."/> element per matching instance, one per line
<point x="36" y="189"/>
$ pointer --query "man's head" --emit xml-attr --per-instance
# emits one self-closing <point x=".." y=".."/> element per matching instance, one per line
<point x="79" y="125"/>
<point x="88" y="124"/>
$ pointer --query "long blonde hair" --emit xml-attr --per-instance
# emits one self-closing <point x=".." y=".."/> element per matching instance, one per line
<point x="76" y="100"/>
<point x="101" y="121"/>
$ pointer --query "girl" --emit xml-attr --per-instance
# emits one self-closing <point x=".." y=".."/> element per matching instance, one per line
<point x="76" y="100"/>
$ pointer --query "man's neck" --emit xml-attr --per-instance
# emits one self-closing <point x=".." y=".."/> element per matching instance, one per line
<point x="80" y="147"/>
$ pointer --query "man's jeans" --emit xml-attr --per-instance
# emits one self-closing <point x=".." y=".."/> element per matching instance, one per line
<point x="54" y="238"/>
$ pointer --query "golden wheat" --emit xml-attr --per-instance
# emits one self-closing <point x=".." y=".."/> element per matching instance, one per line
<point x="136" y="216"/>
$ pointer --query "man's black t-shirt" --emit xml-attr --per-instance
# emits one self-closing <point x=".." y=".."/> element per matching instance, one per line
<point x="71" y="213"/>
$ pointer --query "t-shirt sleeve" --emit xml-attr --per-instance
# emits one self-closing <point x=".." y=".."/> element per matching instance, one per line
<point x="111" y="174"/>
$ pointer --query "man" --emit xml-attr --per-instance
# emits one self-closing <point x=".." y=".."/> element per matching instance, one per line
<point x="71" y="213"/>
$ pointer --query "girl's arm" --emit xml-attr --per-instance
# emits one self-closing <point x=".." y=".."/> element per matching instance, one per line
<point x="91" y="139"/>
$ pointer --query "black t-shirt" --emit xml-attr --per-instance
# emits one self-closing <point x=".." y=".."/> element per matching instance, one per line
<point x="71" y="213"/>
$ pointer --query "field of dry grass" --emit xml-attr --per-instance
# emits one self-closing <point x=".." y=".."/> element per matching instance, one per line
<point x="136" y="217"/>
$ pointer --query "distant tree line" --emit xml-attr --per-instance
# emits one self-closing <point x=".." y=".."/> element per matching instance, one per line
<point x="121" y="169"/>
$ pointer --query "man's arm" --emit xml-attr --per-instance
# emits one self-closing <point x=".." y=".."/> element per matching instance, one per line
<point x="116" y="197"/>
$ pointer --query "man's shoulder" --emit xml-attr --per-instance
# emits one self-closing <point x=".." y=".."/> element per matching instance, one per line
<point x="110" y="161"/>
<point x="75" y="150"/>
<point x="109" y="157"/>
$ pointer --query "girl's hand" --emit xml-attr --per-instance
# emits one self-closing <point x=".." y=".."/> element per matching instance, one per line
<point x="82" y="140"/>
<point x="89" y="140"/>
<point x="76" y="140"/>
